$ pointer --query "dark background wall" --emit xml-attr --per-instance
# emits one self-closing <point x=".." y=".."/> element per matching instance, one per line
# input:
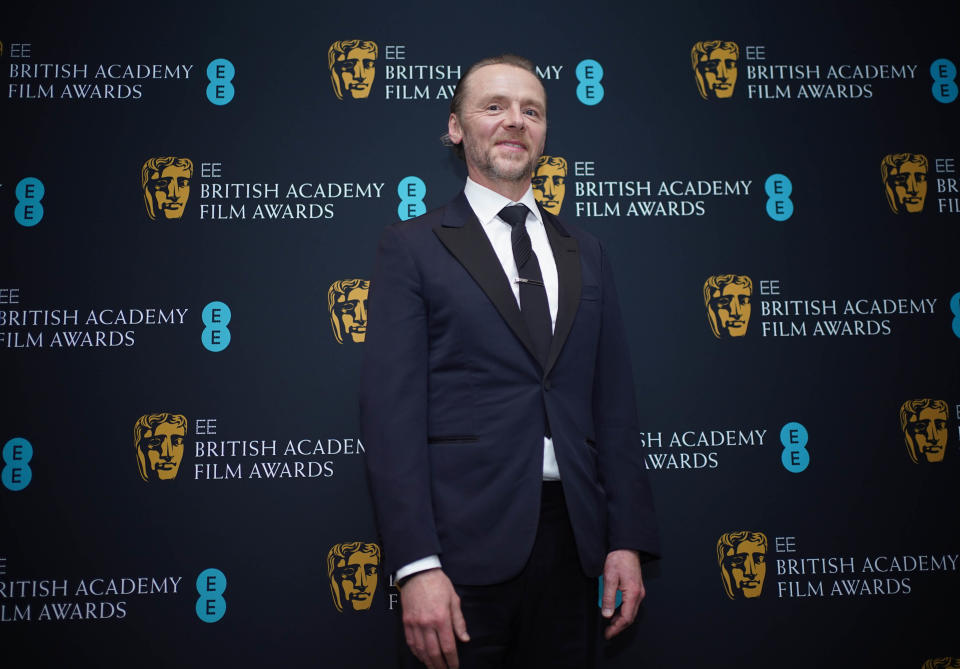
<point x="860" y="505"/>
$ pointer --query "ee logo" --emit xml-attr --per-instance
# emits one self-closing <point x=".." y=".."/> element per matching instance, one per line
<point x="16" y="474"/>
<point x="795" y="457"/>
<point x="589" y="73"/>
<point x="955" y="310"/>
<point x="211" y="605"/>
<point x="944" y="72"/>
<point x="779" y="205"/>
<point x="216" y="336"/>
<point x="411" y="191"/>
<point x="29" y="210"/>
<point x="220" y="72"/>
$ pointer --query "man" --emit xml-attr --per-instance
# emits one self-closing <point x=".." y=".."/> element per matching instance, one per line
<point x="905" y="181"/>
<point x="742" y="557"/>
<point x="354" y="571"/>
<point x="158" y="438"/>
<point x="549" y="182"/>
<point x="715" y="68"/>
<point x="498" y="410"/>
<point x="352" y="66"/>
<point x="347" y="304"/>
<point x="166" y="186"/>
<point x="727" y="298"/>
<point x="924" y="425"/>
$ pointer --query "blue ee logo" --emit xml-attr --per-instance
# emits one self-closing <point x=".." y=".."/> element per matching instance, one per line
<point x="944" y="72"/>
<point x="29" y="210"/>
<point x="220" y="72"/>
<point x="795" y="457"/>
<point x="779" y="205"/>
<point x="589" y="73"/>
<point x="216" y="336"/>
<point x="955" y="310"/>
<point x="16" y="474"/>
<point x="211" y="605"/>
<point x="411" y="191"/>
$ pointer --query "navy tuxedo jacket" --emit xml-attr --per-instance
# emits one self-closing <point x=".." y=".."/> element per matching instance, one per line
<point x="454" y="403"/>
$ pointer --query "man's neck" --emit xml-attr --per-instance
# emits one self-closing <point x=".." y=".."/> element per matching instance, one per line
<point x="512" y="190"/>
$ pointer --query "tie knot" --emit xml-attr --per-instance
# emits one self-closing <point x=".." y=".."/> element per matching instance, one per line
<point x="514" y="214"/>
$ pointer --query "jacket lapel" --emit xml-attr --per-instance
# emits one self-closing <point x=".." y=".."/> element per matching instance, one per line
<point x="566" y="253"/>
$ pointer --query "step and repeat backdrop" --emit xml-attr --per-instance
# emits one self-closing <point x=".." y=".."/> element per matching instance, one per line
<point x="193" y="195"/>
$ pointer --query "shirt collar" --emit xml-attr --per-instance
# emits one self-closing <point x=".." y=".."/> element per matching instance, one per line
<point x="486" y="204"/>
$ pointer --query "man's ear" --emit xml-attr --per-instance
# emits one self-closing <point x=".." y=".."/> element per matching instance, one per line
<point x="454" y="129"/>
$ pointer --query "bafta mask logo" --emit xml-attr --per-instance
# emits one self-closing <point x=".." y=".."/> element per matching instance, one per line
<point x="166" y="186"/>
<point x="354" y="570"/>
<point x="727" y="298"/>
<point x="549" y="182"/>
<point x="159" y="440"/>
<point x="347" y="304"/>
<point x="905" y="181"/>
<point x="715" y="68"/>
<point x="941" y="663"/>
<point x="742" y="557"/>
<point x="924" y="425"/>
<point x="352" y="64"/>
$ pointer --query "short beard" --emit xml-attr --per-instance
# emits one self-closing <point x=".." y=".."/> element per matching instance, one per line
<point x="489" y="167"/>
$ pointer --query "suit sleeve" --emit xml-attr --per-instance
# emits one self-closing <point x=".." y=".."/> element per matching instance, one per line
<point x="631" y="522"/>
<point x="393" y="405"/>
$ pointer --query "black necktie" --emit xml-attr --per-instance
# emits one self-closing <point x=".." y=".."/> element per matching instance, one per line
<point x="533" y="294"/>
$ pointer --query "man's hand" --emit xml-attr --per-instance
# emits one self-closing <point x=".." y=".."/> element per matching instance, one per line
<point x="431" y="618"/>
<point x="621" y="572"/>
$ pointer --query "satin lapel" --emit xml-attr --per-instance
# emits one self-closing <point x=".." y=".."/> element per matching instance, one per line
<point x="461" y="233"/>
<point x="566" y="252"/>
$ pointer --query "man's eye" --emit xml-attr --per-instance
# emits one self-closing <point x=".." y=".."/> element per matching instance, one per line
<point x="531" y="112"/>
<point x="493" y="107"/>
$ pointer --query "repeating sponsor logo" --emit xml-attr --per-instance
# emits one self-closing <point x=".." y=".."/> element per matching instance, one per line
<point x="843" y="575"/>
<point x="159" y="439"/>
<point x="211" y="584"/>
<point x="715" y="68"/>
<point x="589" y="89"/>
<point x="166" y="186"/>
<point x="79" y="328"/>
<point x="905" y="181"/>
<point x="347" y="306"/>
<point x="549" y="182"/>
<point x="29" y="208"/>
<point x="353" y="569"/>
<point x="731" y="306"/>
<point x="727" y="298"/>
<point x="944" y="74"/>
<point x="352" y="65"/>
<point x="924" y="426"/>
<point x="65" y="81"/>
<point x="742" y="557"/>
<point x="941" y="663"/>
<point x="16" y="473"/>
<point x="723" y="70"/>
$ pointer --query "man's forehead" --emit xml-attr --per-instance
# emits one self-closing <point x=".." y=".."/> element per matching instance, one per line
<point x="502" y="79"/>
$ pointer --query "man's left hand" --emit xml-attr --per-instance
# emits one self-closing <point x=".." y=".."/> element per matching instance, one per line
<point x="621" y="571"/>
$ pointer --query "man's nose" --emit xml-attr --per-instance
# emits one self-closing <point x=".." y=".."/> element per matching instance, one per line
<point x="515" y="118"/>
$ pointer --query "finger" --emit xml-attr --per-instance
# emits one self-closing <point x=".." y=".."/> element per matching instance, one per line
<point x="459" y="623"/>
<point x="610" y="583"/>
<point x="617" y="625"/>
<point x="448" y="646"/>
<point x="630" y="605"/>
<point x="433" y="656"/>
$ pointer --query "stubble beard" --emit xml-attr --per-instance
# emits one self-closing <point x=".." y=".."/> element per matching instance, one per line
<point x="499" y="170"/>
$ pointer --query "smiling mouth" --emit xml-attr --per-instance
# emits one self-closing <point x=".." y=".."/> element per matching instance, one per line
<point x="513" y="146"/>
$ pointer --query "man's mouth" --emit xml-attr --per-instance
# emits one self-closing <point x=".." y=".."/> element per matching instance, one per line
<point x="513" y="146"/>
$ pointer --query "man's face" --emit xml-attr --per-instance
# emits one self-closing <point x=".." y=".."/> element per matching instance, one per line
<point x="352" y="311"/>
<point x="717" y="72"/>
<point x="357" y="578"/>
<point x="908" y="184"/>
<point x="744" y="568"/>
<point x="926" y="434"/>
<point x="161" y="451"/>
<point x="730" y="310"/>
<point x="355" y="69"/>
<point x="170" y="189"/>
<point x="549" y="186"/>
<point x="502" y="124"/>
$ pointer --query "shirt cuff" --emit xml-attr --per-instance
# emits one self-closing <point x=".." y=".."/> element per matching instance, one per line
<point x="423" y="564"/>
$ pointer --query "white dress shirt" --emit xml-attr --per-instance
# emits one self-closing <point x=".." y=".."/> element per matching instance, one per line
<point x="486" y="204"/>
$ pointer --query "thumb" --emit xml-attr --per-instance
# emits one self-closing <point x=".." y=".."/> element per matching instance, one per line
<point x="459" y="624"/>
<point x="610" y="584"/>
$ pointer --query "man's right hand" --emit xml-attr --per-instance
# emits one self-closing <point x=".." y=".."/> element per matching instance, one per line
<point x="432" y="621"/>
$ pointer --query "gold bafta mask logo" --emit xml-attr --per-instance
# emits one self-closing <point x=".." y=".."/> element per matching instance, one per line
<point x="159" y="440"/>
<point x="905" y="181"/>
<point x="347" y="304"/>
<point x="742" y="557"/>
<point x="941" y="663"/>
<point x="166" y="186"/>
<point x="727" y="298"/>
<point x="354" y="571"/>
<point x="549" y="182"/>
<point x="715" y="68"/>
<point x="352" y="64"/>
<point x="924" y="425"/>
